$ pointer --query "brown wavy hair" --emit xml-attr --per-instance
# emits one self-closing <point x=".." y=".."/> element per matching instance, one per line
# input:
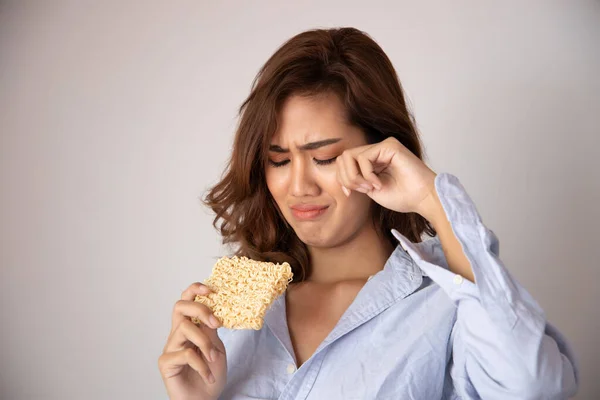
<point x="347" y="62"/>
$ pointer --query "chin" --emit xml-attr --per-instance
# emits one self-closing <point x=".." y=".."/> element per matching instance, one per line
<point x="316" y="243"/>
<point x="311" y="238"/>
<point x="320" y="239"/>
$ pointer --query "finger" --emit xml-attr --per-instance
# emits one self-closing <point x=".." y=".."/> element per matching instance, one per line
<point x="195" y="288"/>
<point x="186" y="309"/>
<point x="339" y="175"/>
<point x="188" y="356"/>
<point x="189" y="294"/>
<point x="380" y="155"/>
<point x="354" y="177"/>
<point x="367" y="171"/>
<point x="213" y="335"/>
<point x="186" y="333"/>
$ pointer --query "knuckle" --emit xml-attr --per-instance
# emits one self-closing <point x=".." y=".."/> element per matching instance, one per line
<point x="163" y="362"/>
<point x="166" y="346"/>
<point x="178" y="304"/>
<point x="186" y="325"/>
<point x="190" y="353"/>
<point x="177" y="327"/>
<point x="393" y="141"/>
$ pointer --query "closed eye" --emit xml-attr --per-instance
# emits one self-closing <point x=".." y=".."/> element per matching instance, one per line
<point x="278" y="164"/>
<point x="325" y="162"/>
<point x="318" y="162"/>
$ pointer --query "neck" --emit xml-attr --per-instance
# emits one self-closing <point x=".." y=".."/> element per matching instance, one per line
<point x="359" y="257"/>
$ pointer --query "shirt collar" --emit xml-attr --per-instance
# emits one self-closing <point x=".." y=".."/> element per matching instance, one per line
<point x="399" y="278"/>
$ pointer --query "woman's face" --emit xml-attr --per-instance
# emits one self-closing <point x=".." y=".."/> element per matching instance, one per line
<point x="302" y="180"/>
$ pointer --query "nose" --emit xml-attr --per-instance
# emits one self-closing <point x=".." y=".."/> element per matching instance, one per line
<point x="303" y="181"/>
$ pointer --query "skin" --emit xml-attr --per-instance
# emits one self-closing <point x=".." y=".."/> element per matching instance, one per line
<point x="186" y="363"/>
<point x="344" y="246"/>
<point x="317" y="158"/>
<point x="344" y="235"/>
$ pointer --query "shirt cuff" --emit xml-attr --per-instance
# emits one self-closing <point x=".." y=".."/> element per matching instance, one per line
<point x="495" y="288"/>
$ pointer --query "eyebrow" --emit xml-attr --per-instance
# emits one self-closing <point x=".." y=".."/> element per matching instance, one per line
<point x="307" y="146"/>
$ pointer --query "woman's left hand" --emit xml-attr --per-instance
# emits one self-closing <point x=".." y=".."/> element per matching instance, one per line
<point x="388" y="173"/>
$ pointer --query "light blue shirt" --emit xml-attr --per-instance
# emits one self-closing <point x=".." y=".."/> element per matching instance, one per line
<point x="416" y="330"/>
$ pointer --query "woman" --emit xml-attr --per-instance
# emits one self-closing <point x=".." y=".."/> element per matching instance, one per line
<point x="327" y="174"/>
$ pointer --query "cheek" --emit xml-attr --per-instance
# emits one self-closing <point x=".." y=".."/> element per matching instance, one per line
<point x="332" y="186"/>
<point x="357" y="204"/>
<point x="277" y="184"/>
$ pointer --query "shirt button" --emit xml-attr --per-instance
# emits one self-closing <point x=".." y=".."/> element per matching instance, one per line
<point x="458" y="279"/>
<point x="291" y="368"/>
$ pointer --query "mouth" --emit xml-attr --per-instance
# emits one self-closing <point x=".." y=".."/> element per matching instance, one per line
<point x="308" y="213"/>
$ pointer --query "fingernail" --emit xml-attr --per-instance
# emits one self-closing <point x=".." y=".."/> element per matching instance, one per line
<point x="361" y="189"/>
<point x="368" y="188"/>
<point x="213" y="321"/>
<point x="203" y="288"/>
<point x="211" y="378"/>
<point x="377" y="186"/>
<point x="346" y="191"/>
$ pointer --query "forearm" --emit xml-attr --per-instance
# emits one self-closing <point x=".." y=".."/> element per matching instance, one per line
<point x="503" y="346"/>
<point x="432" y="210"/>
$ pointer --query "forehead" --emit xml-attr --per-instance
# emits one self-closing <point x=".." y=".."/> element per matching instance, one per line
<point x="304" y="119"/>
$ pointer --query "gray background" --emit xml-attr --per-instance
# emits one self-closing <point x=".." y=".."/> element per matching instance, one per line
<point x="116" y="115"/>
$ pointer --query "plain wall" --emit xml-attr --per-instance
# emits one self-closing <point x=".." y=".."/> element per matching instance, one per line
<point x="116" y="116"/>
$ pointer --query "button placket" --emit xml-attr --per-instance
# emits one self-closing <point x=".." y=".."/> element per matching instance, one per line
<point x="291" y="368"/>
<point x="458" y="279"/>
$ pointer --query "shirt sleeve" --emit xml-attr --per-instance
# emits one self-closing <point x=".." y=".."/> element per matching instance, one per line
<point x="501" y="344"/>
<point x="223" y="334"/>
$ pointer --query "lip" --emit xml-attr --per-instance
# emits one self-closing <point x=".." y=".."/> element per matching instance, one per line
<point x="307" y="211"/>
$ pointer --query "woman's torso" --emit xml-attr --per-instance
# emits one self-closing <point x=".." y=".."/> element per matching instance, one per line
<point x="313" y="310"/>
<point x="399" y="353"/>
<point x="391" y="342"/>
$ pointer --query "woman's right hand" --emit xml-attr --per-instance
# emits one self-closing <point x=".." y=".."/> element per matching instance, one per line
<point x="186" y="365"/>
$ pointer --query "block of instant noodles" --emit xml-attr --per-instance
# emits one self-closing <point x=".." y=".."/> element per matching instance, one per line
<point x="243" y="290"/>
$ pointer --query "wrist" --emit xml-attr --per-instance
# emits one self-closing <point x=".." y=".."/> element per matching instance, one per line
<point x="431" y="208"/>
